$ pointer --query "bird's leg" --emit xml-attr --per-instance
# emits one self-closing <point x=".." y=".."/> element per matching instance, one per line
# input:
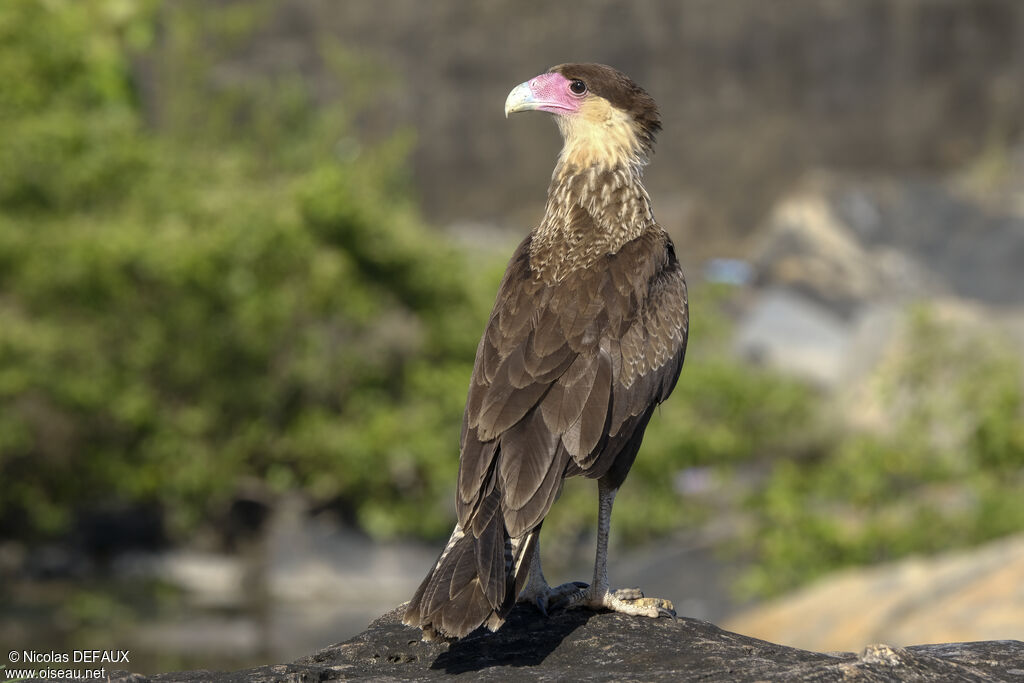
<point x="597" y="595"/>
<point x="537" y="592"/>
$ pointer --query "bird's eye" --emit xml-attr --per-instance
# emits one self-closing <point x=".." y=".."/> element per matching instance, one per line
<point x="578" y="87"/>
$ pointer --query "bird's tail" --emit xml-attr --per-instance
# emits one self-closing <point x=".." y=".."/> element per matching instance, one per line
<point x="476" y="578"/>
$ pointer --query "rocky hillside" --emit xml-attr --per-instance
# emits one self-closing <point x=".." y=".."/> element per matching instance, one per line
<point x="753" y="94"/>
<point x="840" y="258"/>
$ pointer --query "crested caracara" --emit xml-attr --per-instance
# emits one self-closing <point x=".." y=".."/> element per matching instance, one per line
<point x="586" y="338"/>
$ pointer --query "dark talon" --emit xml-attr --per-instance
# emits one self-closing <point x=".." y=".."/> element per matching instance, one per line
<point x="664" y="612"/>
<point x="566" y="599"/>
<point x="560" y="603"/>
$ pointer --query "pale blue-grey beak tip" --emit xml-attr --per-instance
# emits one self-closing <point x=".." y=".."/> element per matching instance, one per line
<point x="520" y="99"/>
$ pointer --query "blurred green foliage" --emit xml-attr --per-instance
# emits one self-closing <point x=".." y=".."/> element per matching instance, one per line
<point x="217" y="284"/>
<point x="947" y="471"/>
<point x="214" y="296"/>
<point x="71" y="134"/>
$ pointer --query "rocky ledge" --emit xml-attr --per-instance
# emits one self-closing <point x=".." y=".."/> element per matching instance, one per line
<point x="579" y="644"/>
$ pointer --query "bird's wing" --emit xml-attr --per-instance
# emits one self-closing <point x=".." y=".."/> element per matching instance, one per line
<point x="564" y="372"/>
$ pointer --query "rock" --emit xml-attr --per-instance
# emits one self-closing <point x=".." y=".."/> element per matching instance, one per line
<point x="794" y="334"/>
<point x="832" y="240"/>
<point x="806" y="247"/>
<point x="846" y="242"/>
<point x="841" y="260"/>
<point x="580" y="644"/>
<point x="969" y="594"/>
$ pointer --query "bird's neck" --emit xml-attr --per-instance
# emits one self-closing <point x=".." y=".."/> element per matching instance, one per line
<point x="591" y="211"/>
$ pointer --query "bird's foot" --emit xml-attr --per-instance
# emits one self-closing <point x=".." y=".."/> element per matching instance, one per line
<point x="625" y="601"/>
<point x="543" y="597"/>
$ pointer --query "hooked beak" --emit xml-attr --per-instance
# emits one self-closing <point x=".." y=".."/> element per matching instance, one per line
<point x="521" y="99"/>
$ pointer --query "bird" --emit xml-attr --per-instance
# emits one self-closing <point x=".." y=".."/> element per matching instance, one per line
<point x="586" y="338"/>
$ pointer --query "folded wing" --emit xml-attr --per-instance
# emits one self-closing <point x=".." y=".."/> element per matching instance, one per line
<point x="566" y="373"/>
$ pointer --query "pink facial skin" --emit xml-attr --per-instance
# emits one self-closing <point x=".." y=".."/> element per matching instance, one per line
<point x="551" y="93"/>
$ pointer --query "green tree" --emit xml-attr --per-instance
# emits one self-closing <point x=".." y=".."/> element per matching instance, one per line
<point x="182" y="313"/>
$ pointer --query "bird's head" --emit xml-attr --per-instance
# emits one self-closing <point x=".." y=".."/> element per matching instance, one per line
<point x="605" y="118"/>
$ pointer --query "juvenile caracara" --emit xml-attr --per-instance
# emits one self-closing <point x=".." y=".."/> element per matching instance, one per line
<point x="586" y="338"/>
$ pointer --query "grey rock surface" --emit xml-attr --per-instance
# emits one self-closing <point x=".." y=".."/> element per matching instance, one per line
<point x="847" y="242"/>
<point x="582" y="645"/>
<point x="796" y="335"/>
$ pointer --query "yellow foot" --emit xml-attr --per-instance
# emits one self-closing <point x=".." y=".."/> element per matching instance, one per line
<point x="625" y="601"/>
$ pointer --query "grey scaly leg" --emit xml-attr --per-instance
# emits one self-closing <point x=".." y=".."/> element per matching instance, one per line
<point x="597" y="596"/>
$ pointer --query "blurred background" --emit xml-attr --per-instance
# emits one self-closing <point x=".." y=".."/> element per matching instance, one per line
<point x="247" y="249"/>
